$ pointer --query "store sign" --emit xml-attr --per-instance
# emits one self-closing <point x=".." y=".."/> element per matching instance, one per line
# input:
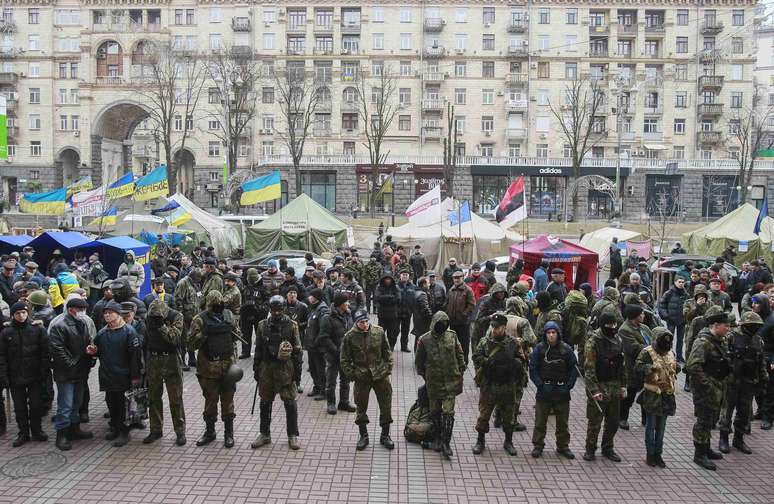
<point x="427" y="182"/>
<point x="294" y="226"/>
<point x="545" y="171"/>
<point x="551" y="171"/>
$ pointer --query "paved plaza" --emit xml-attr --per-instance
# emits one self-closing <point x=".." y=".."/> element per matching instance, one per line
<point x="328" y="469"/>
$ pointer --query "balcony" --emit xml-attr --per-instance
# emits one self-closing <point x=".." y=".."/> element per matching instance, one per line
<point x="433" y="104"/>
<point x="657" y="136"/>
<point x="110" y="80"/>
<point x="434" y="52"/>
<point x="349" y="77"/>
<point x="710" y="55"/>
<point x="298" y="26"/>
<point x="518" y="26"/>
<point x="709" y="137"/>
<point x="11" y="104"/>
<point x="241" y="51"/>
<point x="599" y="134"/>
<point x="8" y="78"/>
<point x="603" y="29"/>
<point x="322" y="51"/>
<point x="710" y="82"/>
<point x="350" y="26"/>
<point x="598" y="52"/>
<point x="516" y="133"/>
<point x="296" y="51"/>
<point x="350" y="132"/>
<point x="350" y="106"/>
<point x="13" y="131"/>
<point x="434" y="25"/>
<point x="323" y="28"/>
<point x="240" y="24"/>
<point x="627" y="136"/>
<point x="518" y="51"/>
<point x="655" y="29"/>
<point x="627" y="30"/>
<point x="127" y="27"/>
<point x="649" y="109"/>
<point x="711" y="27"/>
<point x="516" y="105"/>
<point x="432" y="129"/>
<point x="516" y="79"/>
<point x="321" y="131"/>
<point x="433" y="76"/>
<point x="710" y="109"/>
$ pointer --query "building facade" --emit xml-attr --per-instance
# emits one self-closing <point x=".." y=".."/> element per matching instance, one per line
<point x="672" y="78"/>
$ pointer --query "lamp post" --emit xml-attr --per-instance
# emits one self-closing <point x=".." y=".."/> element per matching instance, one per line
<point x="739" y="194"/>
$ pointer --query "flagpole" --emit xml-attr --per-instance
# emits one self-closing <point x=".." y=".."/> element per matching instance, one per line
<point x="524" y="228"/>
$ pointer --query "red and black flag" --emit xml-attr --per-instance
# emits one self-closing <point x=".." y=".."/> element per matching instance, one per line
<point x="513" y="206"/>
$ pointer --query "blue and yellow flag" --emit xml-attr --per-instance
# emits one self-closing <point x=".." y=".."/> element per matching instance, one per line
<point x="47" y="203"/>
<point x="178" y="217"/>
<point x="82" y="184"/>
<point x="264" y="188"/>
<point x="108" y="218"/>
<point x="121" y="187"/>
<point x="152" y="185"/>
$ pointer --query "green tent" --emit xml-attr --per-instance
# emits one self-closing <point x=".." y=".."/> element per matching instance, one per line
<point x="303" y="224"/>
<point x="735" y="228"/>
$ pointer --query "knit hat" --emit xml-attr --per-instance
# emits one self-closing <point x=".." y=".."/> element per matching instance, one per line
<point x="632" y="311"/>
<point x="112" y="306"/>
<point x="317" y="294"/>
<point x="19" y="306"/>
<point x="339" y="299"/>
<point x="360" y="315"/>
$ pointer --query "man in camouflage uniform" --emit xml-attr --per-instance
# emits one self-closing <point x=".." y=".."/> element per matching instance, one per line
<point x="212" y="280"/>
<point x="748" y="373"/>
<point x="608" y="303"/>
<point x="366" y="358"/>
<point x="350" y="288"/>
<point x="214" y="334"/>
<point x="440" y="362"/>
<point x="605" y="376"/>
<point x="276" y="343"/>
<point x="272" y="278"/>
<point x="232" y="298"/>
<point x="371" y="273"/>
<point x="490" y="303"/>
<point x="500" y="366"/>
<point x="187" y="295"/>
<point x="708" y="366"/>
<point x="549" y="310"/>
<point x="355" y="265"/>
<point x="697" y="305"/>
<point x="718" y="297"/>
<point x="163" y="328"/>
<point x="253" y="310"/>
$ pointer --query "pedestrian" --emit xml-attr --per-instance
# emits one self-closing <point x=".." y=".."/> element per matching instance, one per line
<point x="352" y="290"/>
<point x="556" y="287"/>
<point x="616" y="262"/>
<point x="448" y="273"/>
<point x="418" y="262"/>
<point x="541" y="277"/>
<point x="423" y="311"/>
<point x="500" y="365"/>
<point x="708" y="366"/>
<point x="298" y="311"/>
<point x="678" y="249"/>
<point x="366" y="357"/>
<point x="24" y="368"/>
<point x="670" y="308"/>
<point x="477" y="282"/>
<point x="276" y="341"/>
<point x="407" y="297"/>
<point x="439" y="360"/>
<point x="318" y="309"/>
<point x="120" y="360"/>
<point x="460" y="303"/>
<point x="163" y="330"/>
<point x="635" y="336"/>
<point x="232" y="297"/>
<point x="553" y="369"/>
<point x="133" y="271"/>
<point x="387" y="299"/>
<point x="253" y="310"/>
<point x="159" y="292"/>
<point x="490" y="304"/>
<point x="212" y="280"/>
<point x="188" y="300"/>
<point x="605" y="375"/>
<point x="548" y="309"/>
<point x="372" y="272"/>
<point x="658" y="365"/>
<point x="436" y="292"/>
<point x="213" y="334"/>
<point x="514" y="272"/>
<point x="718" y="297"/>
<point x="68" y="342"/>
<point x="333" y="326"/>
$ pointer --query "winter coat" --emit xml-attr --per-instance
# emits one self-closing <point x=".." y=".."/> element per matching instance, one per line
<point x="541" y="279"/>
<point x="210" y="282"/>
<point x="558" y="291"/>
<point x="542" y="353"/>
<point x="422" y="313"/>
<point x="187" y="296"/>
<point x="478" y="284"/>
<point x="460" y="303"/>
<point x="448" y="272"/>
<point x="120" y="358"/>
<point x="68" y="338"/>
<point x="286" y="285"/>
<point x="440" y="361"/>
<point x="634" y="339"/>
<point x="659" y="372"/>
<point x="169" y="299"/>
<point x="418" y="265"/>
<point x="407" y="299"/>
<point x="437" y="296"/>
<point x="387" y="299"/>
<point x="366" y="355"/>
<point x="132" y="270"/>
<point x="354" y="293"/>
<point x="333" y="327"/>
<point x="707" y="390"/>
<point x="670" y="307"/>
<point x="6" y="289"/>
<point x="272" y="282"/>
<point x="23" y="353"/>
<point x="316" y="314"/>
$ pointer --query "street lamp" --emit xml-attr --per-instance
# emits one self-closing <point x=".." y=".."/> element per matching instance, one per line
<point x="739" y="194"/>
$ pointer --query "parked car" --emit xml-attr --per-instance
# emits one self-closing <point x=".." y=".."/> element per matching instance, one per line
<point x="503" y="264"/>
<point x="295" y="259"/>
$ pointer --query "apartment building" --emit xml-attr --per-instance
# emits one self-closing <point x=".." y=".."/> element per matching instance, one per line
<point x="672" y="77"/>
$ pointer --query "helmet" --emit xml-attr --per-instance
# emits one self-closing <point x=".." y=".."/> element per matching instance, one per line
<point x="276" y="302"/>
<point x="751" y="318"/>
<point x="233" y="374"/>
<point x="38" y="298"/>
<point x="253" y="275"/>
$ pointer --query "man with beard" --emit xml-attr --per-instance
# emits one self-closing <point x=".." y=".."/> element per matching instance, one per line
<point x="333" y="326"/>
<point x="387" y="299"/>
<point x="213" y="333"/>
<point x="276" y="342"/>
<point x="188" y="294"/>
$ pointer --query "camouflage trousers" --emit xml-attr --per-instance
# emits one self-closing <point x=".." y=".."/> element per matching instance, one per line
<point x="561" y="410"/>
<point x="501" y="396"/>
<point x="362" y="393"/>
<point x="610" y="414"/>
<point x="165" y="370"/>
<point x="216" y="390"/>
<point x="705" y="420"/>
<point x="277" y="378"/>
<point x="738" y="397"/>
<point x="443" y="405"/>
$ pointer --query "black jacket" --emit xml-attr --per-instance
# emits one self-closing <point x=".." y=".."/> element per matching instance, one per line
<point x="168" y="298"/>
<point x="68" y="338"/>
<point x="418" y="265"/>
<point x="408" y="296"/>
<point x="298" y="313"/>
<point x="423" y="313"/>
<point x="448" y="271"/>
<point x="670" y="307"/>
<point x="285" y="287"/>
<point x="333" y="327"/>
<point x="558" y="291"/>
<point x="387" y="299"/>
<point x="23" y="353"/>
<point x="120" y="358"/>
<point x="6" y="289"/>
<point x="316" y="314"/>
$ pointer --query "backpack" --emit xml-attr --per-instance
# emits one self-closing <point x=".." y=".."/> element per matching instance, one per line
<point x="574" y="324"/>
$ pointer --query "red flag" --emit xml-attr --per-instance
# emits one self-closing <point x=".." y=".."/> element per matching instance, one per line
<point x="513" y="206"/>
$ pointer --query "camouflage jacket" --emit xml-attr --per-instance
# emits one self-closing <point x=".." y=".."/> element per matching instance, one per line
<point x="706" y="365"/>
<point x="439" y="360"/>
<point x="187" y="297"/>
<point x="594" y="383"/>
<point x="366" y="355"/>
<point x="213" y="281"/>
<point x="232" y="300"/>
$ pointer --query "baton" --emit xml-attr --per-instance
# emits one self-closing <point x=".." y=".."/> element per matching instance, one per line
<point x="596" y="403"/>
<point x="255" y="395"/>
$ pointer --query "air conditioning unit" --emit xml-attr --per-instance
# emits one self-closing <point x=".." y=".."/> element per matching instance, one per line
<point x="499" y="93"/>
<point x="533" y="66"/>
<point x="543" y="136"/>
<point x="487" y="25"/>
<point x="487" y="133"/>
<point x="76" y="133"/>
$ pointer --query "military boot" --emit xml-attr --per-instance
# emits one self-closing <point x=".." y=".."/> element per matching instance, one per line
<point x="262" y="440"/>
<point x="228" y="432"/>
<point x="76" y="434"/>
<point x="508" y="444"/>
<point x="700" y="457"/>
<point x="713" y="455"/>
<point x="62" y="443"/>
<point x="478" y="448"/>
<point x="385" y="439"/>
<point x="740" y="445"/>
<point x="123" y="437"/>
<point x="437" y="433"/>
<point x="347" y="406"/>
<point x="362" y="441"/>
<point x="723" y="443"/>
<point x="447" y="422"/>
<point x="264" y="437"/>
<point x="291" y="424"/>
<point x="209" y="433"/>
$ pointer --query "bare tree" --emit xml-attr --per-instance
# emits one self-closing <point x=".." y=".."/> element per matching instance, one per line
<point x="377" y="109"/>
<point x="665" y="207"/>
<point x="171" y="83"/>
<point x="718" y="194"/>
<point x="450" y="150"/>
<point x="748" y="134"/>
<point x="579" y="122"/>
<point x="298" y="96"/>
<point x="234" y="72"/>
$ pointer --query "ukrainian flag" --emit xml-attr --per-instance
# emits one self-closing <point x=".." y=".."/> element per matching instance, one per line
<point x="178" y="217"/>
<point x="82" y="184"/>
<point x="48" y="203"/>
<point x="108" y="218"/>
<point x="121" y="187"/>
<point x="264" y="188"/>
<point x="152" y="185"/>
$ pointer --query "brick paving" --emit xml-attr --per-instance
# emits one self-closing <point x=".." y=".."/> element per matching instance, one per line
<point x="328" y="469"/>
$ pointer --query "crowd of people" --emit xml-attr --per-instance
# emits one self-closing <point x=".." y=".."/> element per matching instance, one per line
<point x="207" y="314"/>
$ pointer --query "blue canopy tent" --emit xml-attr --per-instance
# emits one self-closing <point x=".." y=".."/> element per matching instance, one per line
<point x="65" y="241"/>
<point x="13" y="243"/>
<point x="112" y="251"/>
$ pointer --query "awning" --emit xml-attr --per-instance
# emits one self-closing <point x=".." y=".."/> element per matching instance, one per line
<point x="656" y="147"/>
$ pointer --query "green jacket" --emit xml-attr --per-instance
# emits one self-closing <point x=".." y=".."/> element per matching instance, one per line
<point x="212" y="282"/>
<point x="187" y="295"/>
<point x="366" y="355"/>
<point x="608" y="388"/>
<point x="633" y="339"/>
<point x="553" y="314"/>
<point x="371" y="273"/>
<point x="486" y="351"/>
<point x="708" y="352"/>
<point x="232" y="300"/>
<point x="440" y="361"/>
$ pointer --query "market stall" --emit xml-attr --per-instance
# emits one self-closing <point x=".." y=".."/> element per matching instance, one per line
<point x="579" y="263"/>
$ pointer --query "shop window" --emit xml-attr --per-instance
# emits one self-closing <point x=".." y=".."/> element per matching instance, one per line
<point x="321" y="187"/>
<point x="488" y="190"/>
<point x="381" y="194"/>
<point x="719" y="195"/>
<point x="546" y="196"/>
